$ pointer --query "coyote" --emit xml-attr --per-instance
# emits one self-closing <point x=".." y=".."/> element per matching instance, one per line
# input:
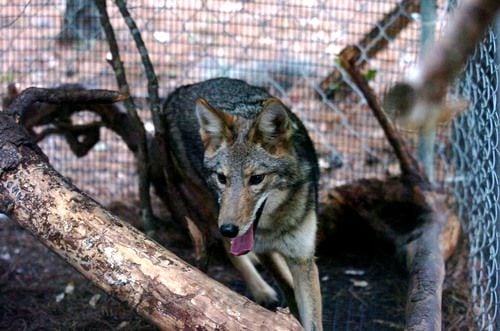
<point x="259" y="161"/>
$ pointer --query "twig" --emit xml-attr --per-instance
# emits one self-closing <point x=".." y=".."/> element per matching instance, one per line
<point x="142" y="152"/>
<point x="409" y="166"/>
<point x="9" y="24"/>
<point x="185" y="194"/>
<point x="116" y="62"/>
<point x="154" y="98"/>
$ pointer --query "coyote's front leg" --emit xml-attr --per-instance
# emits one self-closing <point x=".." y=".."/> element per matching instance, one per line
<point x="261" y="291"/>
<point x="307" y="291"/>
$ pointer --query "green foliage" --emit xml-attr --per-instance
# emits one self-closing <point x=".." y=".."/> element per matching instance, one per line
<point x="7" y="78"/>
<point x="370" y="74"/>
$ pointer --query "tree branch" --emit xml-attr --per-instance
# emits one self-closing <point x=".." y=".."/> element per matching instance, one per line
<point x="409" y="165"/>
<point x="142" y="154"/>
<point x="23" y="101"/>
<point x="186" y="196"/>
<point x="154" y="98"/>
<point x="40" y="113"/>
<point x="419" y="102"/>
<point x="420" y="241"/>
<point x="372" y="42"/>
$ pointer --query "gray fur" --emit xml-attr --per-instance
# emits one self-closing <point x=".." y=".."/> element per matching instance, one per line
<point x="288" y="192"/>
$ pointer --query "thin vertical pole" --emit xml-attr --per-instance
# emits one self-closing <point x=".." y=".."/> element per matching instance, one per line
<point x="427" y="134"/>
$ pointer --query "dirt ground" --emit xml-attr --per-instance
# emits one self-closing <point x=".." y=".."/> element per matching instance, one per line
<point x="363" y="286"/>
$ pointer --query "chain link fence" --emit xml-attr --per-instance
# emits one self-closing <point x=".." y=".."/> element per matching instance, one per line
<point x="476" y="187"/>
<point x="289" y="47"/>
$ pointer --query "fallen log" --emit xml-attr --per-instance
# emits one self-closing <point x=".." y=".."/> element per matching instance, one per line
<point x="112" y="254"/>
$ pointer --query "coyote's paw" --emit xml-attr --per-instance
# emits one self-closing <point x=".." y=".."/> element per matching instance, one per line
<point x="267" y="297"/>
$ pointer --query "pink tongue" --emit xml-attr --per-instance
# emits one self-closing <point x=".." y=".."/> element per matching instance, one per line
<point x="244" y="244"/>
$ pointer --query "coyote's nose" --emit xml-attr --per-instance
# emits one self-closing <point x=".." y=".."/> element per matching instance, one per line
<point x="229" y="230"/>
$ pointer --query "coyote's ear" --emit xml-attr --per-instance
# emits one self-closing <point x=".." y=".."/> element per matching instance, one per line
<point x="215" y="125"/>
<point x="272" y="128"/>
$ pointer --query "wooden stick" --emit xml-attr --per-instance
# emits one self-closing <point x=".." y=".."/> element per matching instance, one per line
<point x="409" y="165"/>
<point x="426" y="266"/>
<point x="154" y="98"/>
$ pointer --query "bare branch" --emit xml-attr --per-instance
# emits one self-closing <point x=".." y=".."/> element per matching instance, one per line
<point x="33" y="110"/>
<point x="21" y="13"/>
<point x="57" y="96"/>
<point x="180" y="189"/>
<point x="142" y="154"/>
<point x="409" y="165"/>
<point x="154" y="98"/>
<point x="425" y="257"/>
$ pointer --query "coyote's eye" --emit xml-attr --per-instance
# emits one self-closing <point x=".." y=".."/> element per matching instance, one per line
<point x="221" y="178"/>
<point x="256" y="179"/>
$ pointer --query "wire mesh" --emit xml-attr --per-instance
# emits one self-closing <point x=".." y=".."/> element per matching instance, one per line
<point x="476" y="189"/>
<point x="288" y="47"/>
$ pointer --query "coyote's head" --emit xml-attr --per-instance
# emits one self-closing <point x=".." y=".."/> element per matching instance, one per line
<point x="250" y="161"/>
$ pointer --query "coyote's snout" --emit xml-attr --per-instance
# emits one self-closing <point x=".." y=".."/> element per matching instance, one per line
<point x="241" y="227"/>
<point x="256" y="156"/>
